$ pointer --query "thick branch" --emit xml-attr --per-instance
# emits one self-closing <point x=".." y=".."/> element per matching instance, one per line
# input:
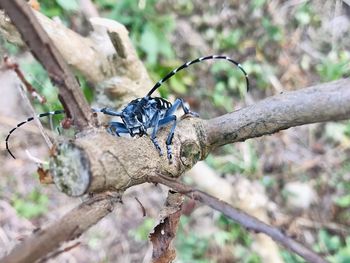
<point x="119" y="163"/>
<point x="106" y="58"/>
<point x="245" y="220"/>
<point x="106" y="162"/>
<point x="69" y="227"/>
<point x="320" y="103"/>
<point x="42" y="48"/>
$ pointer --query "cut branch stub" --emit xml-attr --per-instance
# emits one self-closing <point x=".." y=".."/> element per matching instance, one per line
<point x="70" y="166"/>
<point x="118" y="163"/>
<point x="97" y="161"/>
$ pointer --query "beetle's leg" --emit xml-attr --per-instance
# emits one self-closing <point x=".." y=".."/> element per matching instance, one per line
<point x="115" y="128"/>
<point x="109" y="111"/>
<point x="155" y="124"/>
<point x="176" y="105"/>
<point x="169" y="140"/>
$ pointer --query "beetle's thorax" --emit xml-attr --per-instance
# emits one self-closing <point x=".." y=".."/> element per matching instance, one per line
<point x="139" y="114"/>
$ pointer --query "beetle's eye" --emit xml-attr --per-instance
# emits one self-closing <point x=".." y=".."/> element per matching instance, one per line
<point x="139" y="117"/>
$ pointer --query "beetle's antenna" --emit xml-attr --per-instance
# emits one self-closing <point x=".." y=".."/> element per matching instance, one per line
<point x="187" y="64"/>
<point x="26" y="121"/>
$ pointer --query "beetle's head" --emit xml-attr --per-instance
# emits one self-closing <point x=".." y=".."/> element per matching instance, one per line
<point x="132" y="116"/>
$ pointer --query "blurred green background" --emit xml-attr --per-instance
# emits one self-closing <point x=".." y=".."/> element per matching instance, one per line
<point x="283" y="45"/>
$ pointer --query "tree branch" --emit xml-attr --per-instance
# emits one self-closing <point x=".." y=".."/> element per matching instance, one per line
<point x="105" y="162"/>
<point x="106" y="58"/>
<point x="69" y="227"/>
<point x="320" y="103"/>
<point x="42" y="48"/>
<point x="118" y="163"/>
<point x="245" y="220"/>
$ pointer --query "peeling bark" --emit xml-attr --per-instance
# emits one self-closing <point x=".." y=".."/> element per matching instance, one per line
<point x="165" y="231"/>
<point x="98" y="162"/>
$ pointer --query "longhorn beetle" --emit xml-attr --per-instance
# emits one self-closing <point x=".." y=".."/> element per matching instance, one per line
<point x="145" y="113"/>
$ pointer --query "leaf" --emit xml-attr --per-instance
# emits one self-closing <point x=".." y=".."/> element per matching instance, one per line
<point x="33" y="206"/>
<point x="68" y="5"/>
<point x="178" y="86"/>
<point x="343" y="201"/>
<point x="149" y="44"/>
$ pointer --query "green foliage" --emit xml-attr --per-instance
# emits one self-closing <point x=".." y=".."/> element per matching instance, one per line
<point x="343" y="187"/>
<point x="7" y="48"/>
<point x="343" y="201"/>
<point x="235" y="235"/>
<point x="228" y="40"/>
<point x="338" y="132"/>
<point x="332" y="245"/>
<point x="68" y="5"/>
<point x="142" y="231"/>
<point x="291" y="258"/>
<point x="230" y="83"/>
<point x="194" y="248"/>
<point x="148" y="29"/>
<point x="183" y="7"/>
<point x="61" y="8"/>
<point x="236" y="163"/>
<point x="343" y="254"/>
<point x="39" y="79"/>
<point x="256" y="4"/>
<point x="335" y="66"/>
<point x="37" y="76"/>
<point x="303" y="14"/>
<point x="87" y="90"/>
<point x="191" y="247"/>
<point x="327" y="243"/>
<point x="31" y="206"/>
<point x="260" y="72"/>
<point x="273" y="32"/>
<point x="237" y="232"/>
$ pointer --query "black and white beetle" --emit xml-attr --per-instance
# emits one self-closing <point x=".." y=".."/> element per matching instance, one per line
<point x="145" y="113"/>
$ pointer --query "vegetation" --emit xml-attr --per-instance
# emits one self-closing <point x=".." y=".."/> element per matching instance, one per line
<point x="279" y="55"/>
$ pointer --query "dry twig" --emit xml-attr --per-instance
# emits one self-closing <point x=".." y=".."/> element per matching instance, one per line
<point x="245" y="220"/>
<point x="103" y="162"/>
<point x="42" y="48"/>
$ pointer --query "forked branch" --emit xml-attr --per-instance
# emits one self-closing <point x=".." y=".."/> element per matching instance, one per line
<point x="118" y="163"/>
<point x="42" y="48"/>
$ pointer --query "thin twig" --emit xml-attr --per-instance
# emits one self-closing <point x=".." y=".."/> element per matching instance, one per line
<point x="245" y="220"/>
<point x="32" y="91"/>
<point x="36" y="119"/>
<point x="43" y="49"/>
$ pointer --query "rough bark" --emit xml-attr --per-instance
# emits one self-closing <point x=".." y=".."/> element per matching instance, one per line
<point x="249" y="222"/>
<point x="69" y="227"/>
<point x="118" y="163"/>
<point x="106" y="58"/>
<point x="320" y="103"/>
<point x="110" y="163"/>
